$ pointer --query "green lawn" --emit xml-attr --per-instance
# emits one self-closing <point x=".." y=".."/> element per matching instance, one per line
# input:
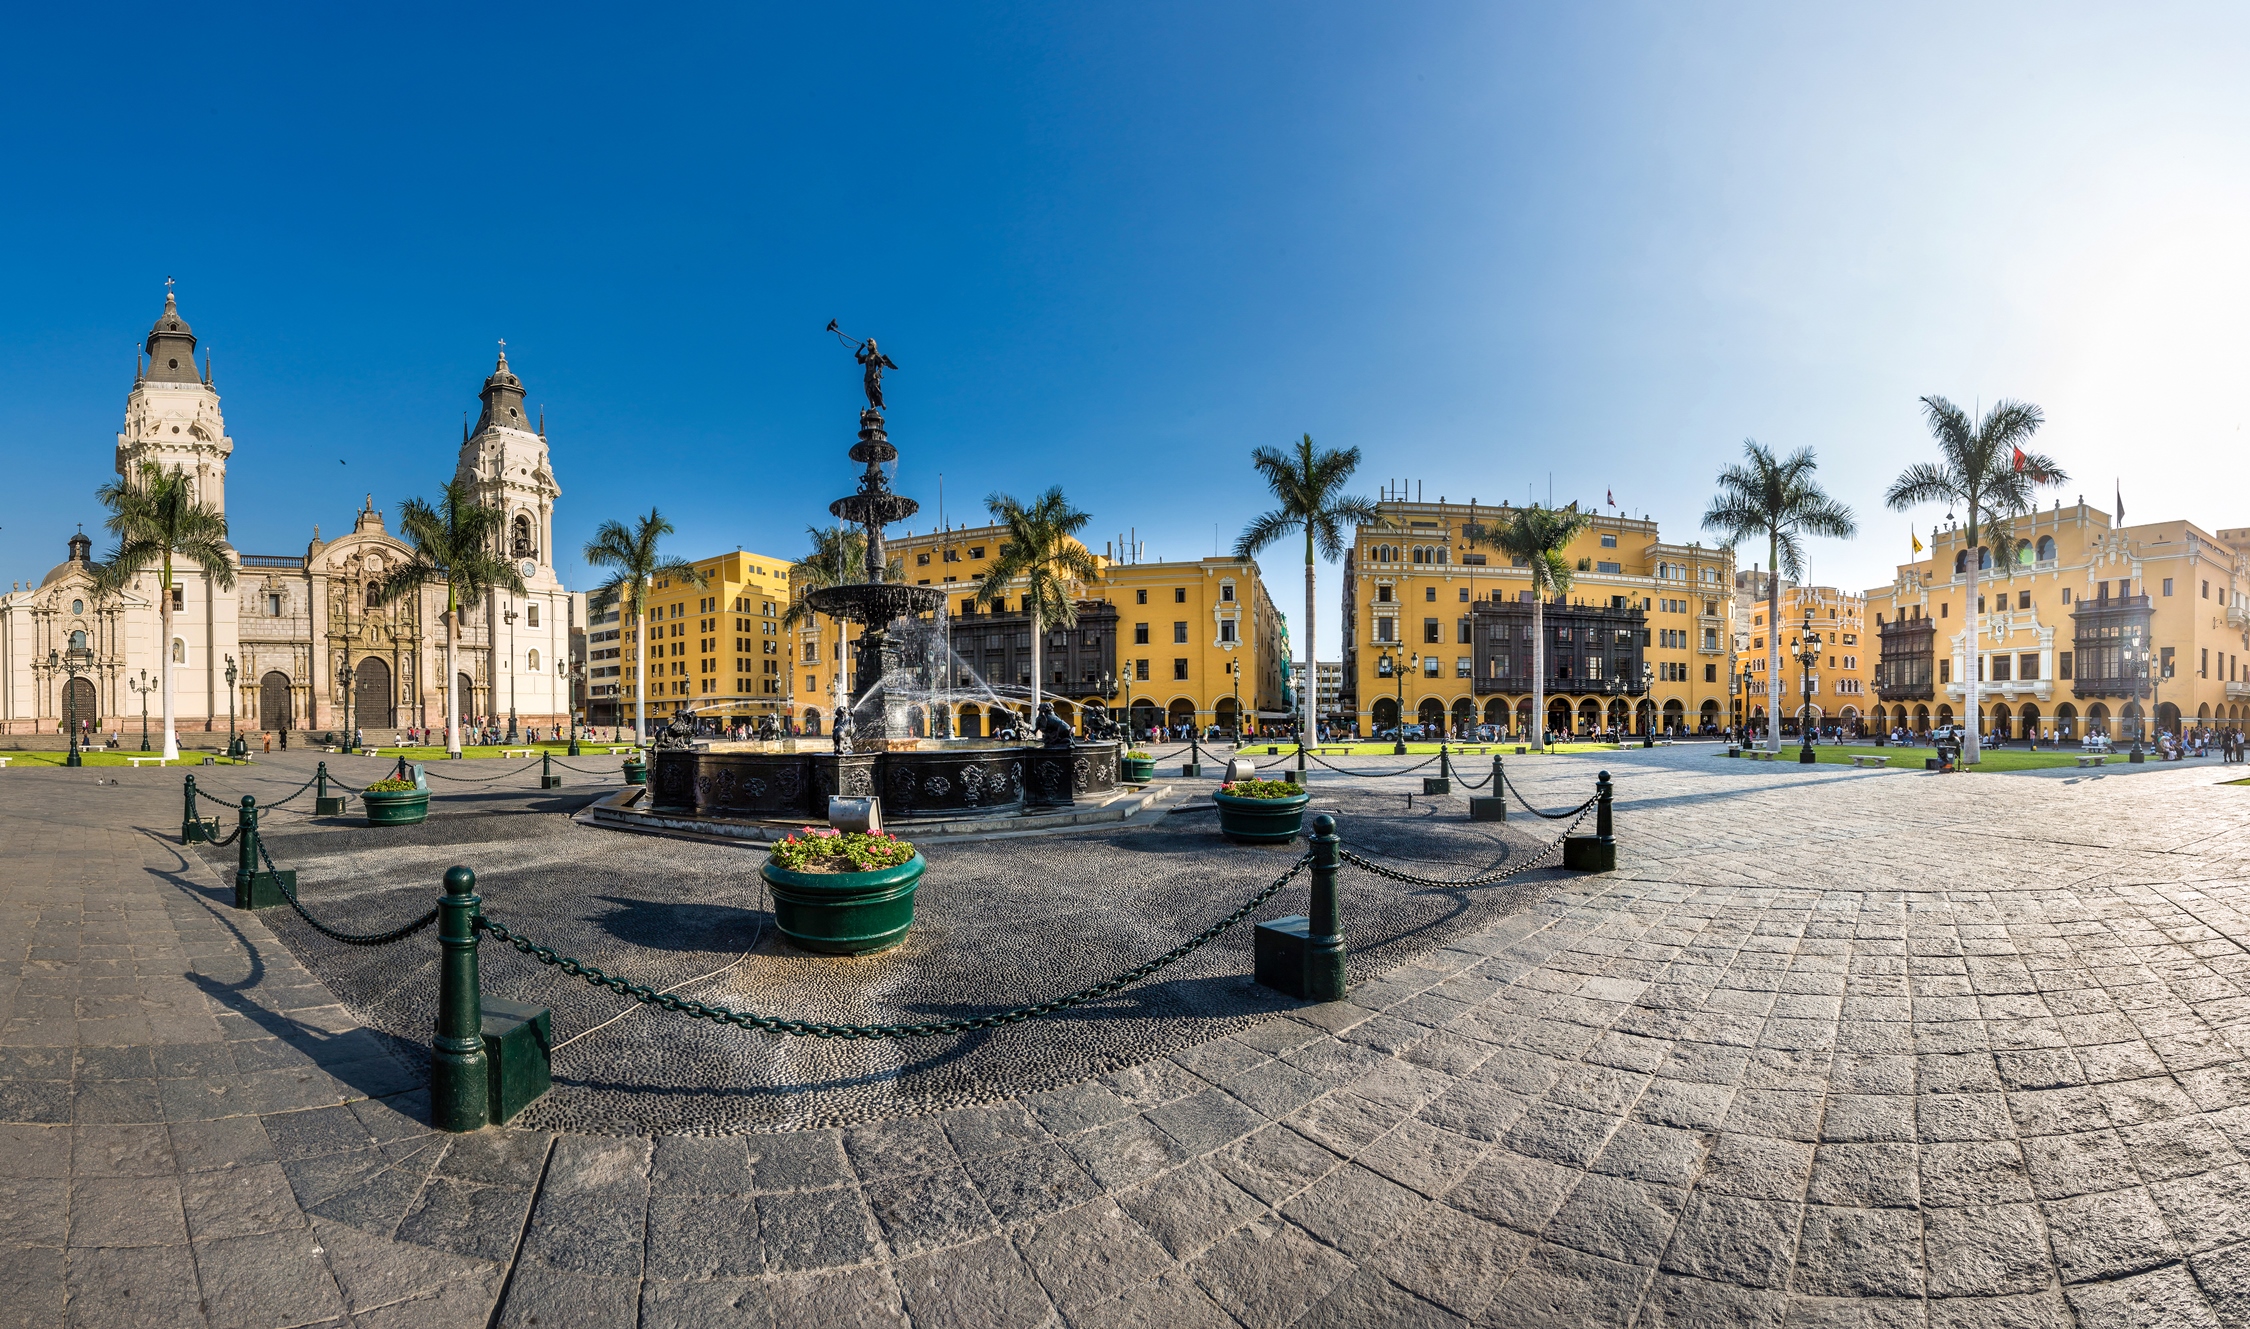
<point x="1911" y="758"/>
<point x="108" y="757"/>
<point x="1419" y="749"/>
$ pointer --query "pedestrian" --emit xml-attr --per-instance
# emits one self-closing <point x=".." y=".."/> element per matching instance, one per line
<point x="268" y="736"/>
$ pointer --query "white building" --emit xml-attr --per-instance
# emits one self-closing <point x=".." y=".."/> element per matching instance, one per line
<point x="292" y="623"/>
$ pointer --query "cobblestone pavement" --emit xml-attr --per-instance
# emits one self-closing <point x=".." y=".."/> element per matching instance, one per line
<point x="1840" y="1048"/>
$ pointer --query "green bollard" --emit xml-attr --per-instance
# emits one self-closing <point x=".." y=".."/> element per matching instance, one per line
<point x="1493" y="805"/>
<point x="547" y="777"/>
<point x="191" y="826"/>
<point x="1596" y="852"/>
<point x="1442" y="782"/>
<point x="1324" y="943"/>
<point x="253" y="887"/>
<point x="459" y="1089"/>
<point x="323" y="805"/>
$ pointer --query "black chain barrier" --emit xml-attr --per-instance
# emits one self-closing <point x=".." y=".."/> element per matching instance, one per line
<point x="1368" y="775"/>
<point x="582" y="771"/>
<point x="1472" y="784"/>
<point x="1578" y="811"/>
<point x="696" y="1010"/>
<point x="1488" y="879"/>
<point x="275" y="806"/>
<point x="489" y="779"/>
<point x="400" y="933"/>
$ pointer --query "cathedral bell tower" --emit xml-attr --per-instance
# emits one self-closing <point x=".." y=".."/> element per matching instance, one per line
<point x="172" y="416"/>
<point x="504" y="462"/>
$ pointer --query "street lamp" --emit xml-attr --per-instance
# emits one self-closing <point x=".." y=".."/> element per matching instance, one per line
<point x="144" y="685"/>
<point x="2136" y="664"/>
<point x="344" y="684"/>
<point x="510" y="668"/>
<point x="72" y="662"/>
<point x="235" y="746"/>
<point x="1234" y="672"/>
<point x="1808" y="655"/>
<point x="1398" y="669"/>
<point x="568" y="673"/>
<point x="1648" y="695"/>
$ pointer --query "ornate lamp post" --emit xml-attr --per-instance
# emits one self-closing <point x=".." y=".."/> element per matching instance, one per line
<point x="2136" y="666"/>
<point x="568" y="673"/>
<point x="1234" y="672"/>
<point x="344" y="684"/>
<point x="143" y="685"/>
<point x="1648" y="694"/>
<point x="71" y="663"/>
<point x="1397" y="670"/>
<point x="235" y="746"/>
<point x="1808" y="655"/>
<point x="510" y="616"/>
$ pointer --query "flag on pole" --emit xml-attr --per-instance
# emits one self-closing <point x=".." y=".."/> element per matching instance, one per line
<point x="2120" y="505"/>
<point x="1917" y="535"/>
<point x="1612" y="496"/>
<point x="2019" y="459"/>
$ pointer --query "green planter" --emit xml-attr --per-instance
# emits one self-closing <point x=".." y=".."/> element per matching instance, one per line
<point x="1136" y="770"/>
<point x="636" y="772"/>
<point x="1261" y="820"/>
<point x="845" y="913"/>
<point x="406" y="807"/>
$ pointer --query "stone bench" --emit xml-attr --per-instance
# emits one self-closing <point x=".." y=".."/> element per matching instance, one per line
<point x="506" y="753"/>
<point x="139" y="762"/>
<point x="1756" y="754"/>
<point x="2093" y="759"/>
<point x="1862" y="762"/>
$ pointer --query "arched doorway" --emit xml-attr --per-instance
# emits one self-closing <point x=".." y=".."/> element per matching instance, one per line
<point x="1496" y="712"/>
<point x="81" y="709"/>
<point x="465" y="699"/>
<point x="1945" y="715"/>
<point x="1523" y="717"/>
<point x="371" y="693"/>
<point x="1617" y="713"/>
<point x="1558" y="716"/>
<point x="1921" y="719"/>
<point x="2167" y="718"/>
<point x="812" y="722"/>
<point x="1708" y="715"/>
<point x="1464" y="717"/>
<point x="2097" y="720"/>
<point x="1430" y="714"/>
<point x="1181" y="713"/>
<point x="1644" y="716"/>
<point x="2066" y="722"/>
<point x="2000" y="722"/>
<point x="1384" y="713"/>
<point x="1589" y="715"/>
<point x="1145" y="716"/>
<point x="275" y="708"/>
<point x="2131" y="723"/>
<point x="970" y="722"/>
<point x="1223" y="715"/>
<point x="2027" y="720"/>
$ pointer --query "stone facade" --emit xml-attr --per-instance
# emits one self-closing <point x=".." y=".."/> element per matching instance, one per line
<point x="292" y="622"/>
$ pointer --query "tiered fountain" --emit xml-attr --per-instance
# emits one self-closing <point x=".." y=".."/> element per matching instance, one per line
<point x="871" y="749"/>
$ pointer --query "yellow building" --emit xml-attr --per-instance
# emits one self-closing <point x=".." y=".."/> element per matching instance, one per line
<point x="1180" y="629"/>
<point x="1843" y="671"/>
<point x="1440" y="632"/>
<point x="2080" y="616"/>
<point x="716" y="650"/>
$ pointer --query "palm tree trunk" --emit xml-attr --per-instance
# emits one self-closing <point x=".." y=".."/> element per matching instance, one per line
<point x="1031" y="610"/>
<point x="1310" y="683"/>
<point x="164" y="616"/>
<point x="1773" y="643"/>
<point x="640" y="675"/>
<point x="452" y="674"/>
<point x="1975" y="744"/>
<point x="1538" y="664"/>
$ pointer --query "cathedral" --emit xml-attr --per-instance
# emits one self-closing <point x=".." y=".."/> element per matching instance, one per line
<point x="308" y="643"/>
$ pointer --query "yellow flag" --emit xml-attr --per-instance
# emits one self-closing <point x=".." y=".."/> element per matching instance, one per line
<point x="1917" y="535"/>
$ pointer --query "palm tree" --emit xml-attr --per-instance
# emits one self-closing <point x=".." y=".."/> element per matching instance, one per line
<point x="457" y="542"/>
<point x="1780" y="500"/>
<point x="1982" y="467"/>
<point x="1535" y="538"/>
<point x="1042" y="550"/>
<point x="636" y="563"/>
<point x="156" y="518"/>
<point x="1310" y="486"/>
<point x="838" y="558"/>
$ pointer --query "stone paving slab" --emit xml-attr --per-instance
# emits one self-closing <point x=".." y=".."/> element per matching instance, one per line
<point x="1829" y="1049"/>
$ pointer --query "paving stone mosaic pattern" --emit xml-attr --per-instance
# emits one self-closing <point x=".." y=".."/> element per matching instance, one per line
<point x="1830" y="1048"/>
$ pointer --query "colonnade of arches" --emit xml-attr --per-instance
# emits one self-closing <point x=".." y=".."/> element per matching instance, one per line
<point x="2065" y="722"/>
<point x="1565" y="714"/>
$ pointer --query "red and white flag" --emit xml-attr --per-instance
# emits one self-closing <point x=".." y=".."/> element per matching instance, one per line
<point x="1612" y="497"/>
<point x="2019" y="459"/>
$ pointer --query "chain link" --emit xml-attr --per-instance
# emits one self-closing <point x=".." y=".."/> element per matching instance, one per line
<point x="582" y="771"/>
<point x="696" y="1010"/>
<point x="1488" y="879"/>
<point x="348" y="938"/>
<point x="1368" y="775"/>
<point x="471" y="779"/>
<point x="1579" y="811"/>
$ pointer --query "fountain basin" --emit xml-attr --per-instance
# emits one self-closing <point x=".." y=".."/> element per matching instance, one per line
<point x="933" y="781"/>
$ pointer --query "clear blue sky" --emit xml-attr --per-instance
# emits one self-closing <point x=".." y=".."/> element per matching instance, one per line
<point x="1115" y="248"/>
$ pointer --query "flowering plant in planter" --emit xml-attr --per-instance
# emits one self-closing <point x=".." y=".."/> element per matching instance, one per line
<point x="391" y="785"/>
<point x="1137" y="755"/>
<point x="1261" y="789"/>
<point x="814" y="849"/>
